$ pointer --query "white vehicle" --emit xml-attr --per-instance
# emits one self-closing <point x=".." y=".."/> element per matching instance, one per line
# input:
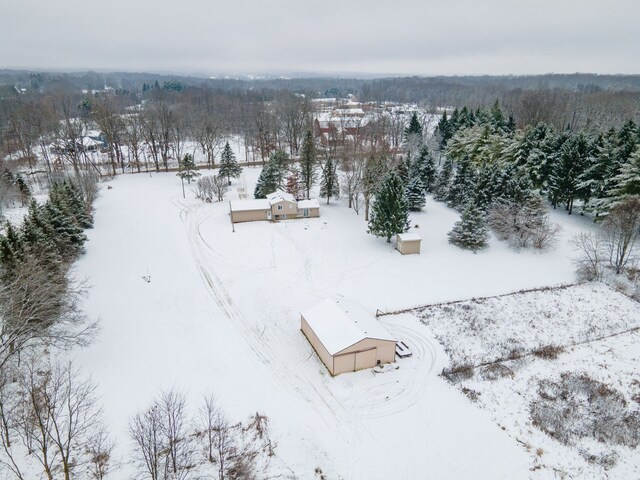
<point x="402" y="350"/>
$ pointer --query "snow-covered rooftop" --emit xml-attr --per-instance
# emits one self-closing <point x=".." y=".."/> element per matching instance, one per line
<point x="279" y="195"/>
<point x="313" y="203"/>
<point x="245" y="205"/>
<point x="409" y="237"/>
<point x="338" y="329"/>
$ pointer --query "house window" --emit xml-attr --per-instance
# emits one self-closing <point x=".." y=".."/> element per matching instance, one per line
<point x="305" y="212"/>
<point x="279" y="207"/>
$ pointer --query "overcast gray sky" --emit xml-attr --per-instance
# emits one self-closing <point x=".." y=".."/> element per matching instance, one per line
<point x="446" y="37"/>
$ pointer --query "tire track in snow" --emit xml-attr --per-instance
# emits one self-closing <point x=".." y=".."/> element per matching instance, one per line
<point x="393" y="396"/>
<point x="286" y="379"/>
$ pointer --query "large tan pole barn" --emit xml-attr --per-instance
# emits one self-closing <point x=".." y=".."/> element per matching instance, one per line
<point x="346" y="338"/>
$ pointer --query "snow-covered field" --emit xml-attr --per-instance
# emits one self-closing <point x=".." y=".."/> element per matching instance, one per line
<point x="221" y="314"/>
<point x="599" y="328"/>
<point x="485" y="330"/>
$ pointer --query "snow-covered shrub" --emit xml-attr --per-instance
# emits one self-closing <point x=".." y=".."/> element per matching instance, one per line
<point x="523" y="225"/>
<point x="578" y="406"/>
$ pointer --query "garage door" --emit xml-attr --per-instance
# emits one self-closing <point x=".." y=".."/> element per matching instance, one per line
<point x="350" y="362"/>
<point x="366" y="359"/>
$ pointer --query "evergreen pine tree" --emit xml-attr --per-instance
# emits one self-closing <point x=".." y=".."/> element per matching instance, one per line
<point x="11" y="249"/>
<point x="444" y="131"/>
<point x="627" y="182"/>
<point x="403" y="168"/>
<point x="443" y="181"/>
<point x="23" y="190"/>
<point x="487" y="187"/>
<point x="267" y="181"/>
<point x="390" y="209"/>
<point x="413" y="134"/>
<point x="38" y="237"/>
<point x="229" y="166"/>
<point x="67" y="235"/>
<point x="425" y="168"/>
<point x="416" y="194"/>
<point x="187" y="168"/>
<point x="564" y="181"/>
<point x="414" y="127"/>
<point x="74" y="200"/>
<point x="329" y="185"/>
<point x="470" y="231"/>
<point x="280" y="166"/>
<point x="308" y="164"/>
<point x="463" y="185"/>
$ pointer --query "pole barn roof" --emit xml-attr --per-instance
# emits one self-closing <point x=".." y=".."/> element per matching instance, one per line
<point x="337" y="331"/>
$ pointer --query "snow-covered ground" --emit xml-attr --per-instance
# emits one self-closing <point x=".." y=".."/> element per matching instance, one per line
<point x="599" y="328"/>
<point x="485" y="330"/>
<point x="221" y="314"/>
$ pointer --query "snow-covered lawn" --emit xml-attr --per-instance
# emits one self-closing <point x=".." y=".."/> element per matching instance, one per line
<point x="221" y="314"/>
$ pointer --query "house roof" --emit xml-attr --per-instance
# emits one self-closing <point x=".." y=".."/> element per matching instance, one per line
<point x="246" y="205"/>
<point x="339" y="325"/>
<point x="313" y="203"/>
<point x="409" y="237"/>
<point x="279" y="196"/>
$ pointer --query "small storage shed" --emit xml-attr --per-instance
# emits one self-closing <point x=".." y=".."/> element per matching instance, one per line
<point x="408" y="243"/>
<point x="346" y="338"/>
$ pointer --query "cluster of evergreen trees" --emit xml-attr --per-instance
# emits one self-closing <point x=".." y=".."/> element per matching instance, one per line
<point x="52" y="233"/>
<point x="595" y="168"/>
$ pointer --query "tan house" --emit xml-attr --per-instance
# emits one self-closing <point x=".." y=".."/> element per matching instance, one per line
<point x="407" y="243"/>
<point x="346" y="338"/>
<point x="277" y="206"/>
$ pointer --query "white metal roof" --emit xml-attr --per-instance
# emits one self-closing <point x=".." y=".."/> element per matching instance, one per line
<point x="409" y="237"/>
<point x="313" y="203"/>
<point x="338" y="329"/>
<point x="279" y="195"/>
<point x="246" y="205"/>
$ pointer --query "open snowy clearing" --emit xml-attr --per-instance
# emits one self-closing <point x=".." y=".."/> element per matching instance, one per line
<point x="221" y="314"/>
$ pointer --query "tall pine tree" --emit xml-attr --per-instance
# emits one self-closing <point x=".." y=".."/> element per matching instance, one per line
<point x="390" y="209"/>
<point x="329" y="185"/>
<point x="229" y="166"/>
<point x="470" y="231"/>
<point x="308" y="163"/>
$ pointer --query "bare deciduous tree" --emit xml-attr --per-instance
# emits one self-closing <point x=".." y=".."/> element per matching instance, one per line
<point x="589" y="264"/>
<point x="162" y="439"/>
<point x="50" y="410"/>
<point x="39" y="307"/>
<point x="621" y="230"/>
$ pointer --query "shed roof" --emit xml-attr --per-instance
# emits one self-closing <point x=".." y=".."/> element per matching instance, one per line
<point x="409" y="237"/>
<point x="338" y="331"/>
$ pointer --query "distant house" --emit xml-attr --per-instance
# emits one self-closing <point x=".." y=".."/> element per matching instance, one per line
<point x="407" y="243"/>
<point x="277" y="206"/>
<point x="346" y="337"/>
